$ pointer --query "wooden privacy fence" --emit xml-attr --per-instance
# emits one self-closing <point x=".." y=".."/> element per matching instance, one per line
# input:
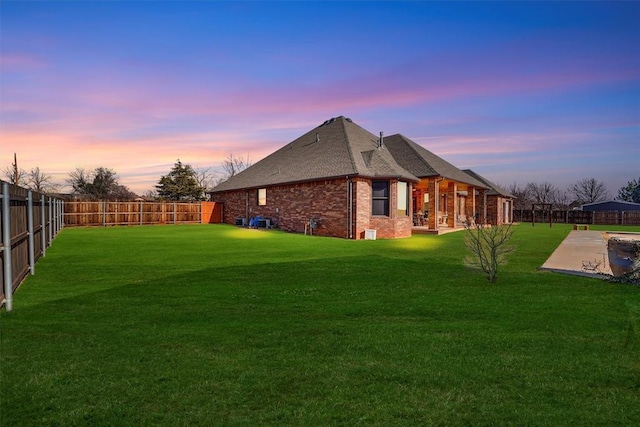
<point x="104" y="213"/>
<point x="30" y="221"/>
<point x="578" y="217"/>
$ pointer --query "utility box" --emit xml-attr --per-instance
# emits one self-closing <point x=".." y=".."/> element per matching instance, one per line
<point x="369" y="234"/>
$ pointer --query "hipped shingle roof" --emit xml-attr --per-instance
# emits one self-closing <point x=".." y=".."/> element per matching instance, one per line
<point x="336" y="148"/>
<point x="493" y="188"/>
<point x="423" y="163"/>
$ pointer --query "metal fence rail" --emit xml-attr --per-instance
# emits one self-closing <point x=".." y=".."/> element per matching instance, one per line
<point x="30" y="221"/>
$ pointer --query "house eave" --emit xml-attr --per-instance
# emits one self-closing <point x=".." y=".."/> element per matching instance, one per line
<point x="328" y="178"/>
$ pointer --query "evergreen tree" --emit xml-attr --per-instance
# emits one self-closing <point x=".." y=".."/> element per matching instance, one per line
<point x="180" y="184"/>
<point x="630" y="193"/>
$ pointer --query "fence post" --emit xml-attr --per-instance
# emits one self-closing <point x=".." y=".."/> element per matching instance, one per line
<point x="59" y="215"/>
<point x="174" y="213"/>
<point x="32" y="257"/>
<point x="50" y="221"/>
<point x="43" y="226"/>
<point x="140" y="212"/>
<point x="622" y="218"/>
<point x="6" y="233"/>
<point x="56" y="218"/>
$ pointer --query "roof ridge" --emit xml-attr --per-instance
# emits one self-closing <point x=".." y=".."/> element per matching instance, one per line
<point x="347" y="140"/>
<point x="413" y="148"/>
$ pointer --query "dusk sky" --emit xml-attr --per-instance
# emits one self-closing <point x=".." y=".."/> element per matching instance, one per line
<point x="518" y="91"/>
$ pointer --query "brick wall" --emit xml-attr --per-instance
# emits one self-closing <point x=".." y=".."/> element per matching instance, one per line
<point x="362" y="208"/>
<point x="291" y="206"/>
<point x="495" y="209"/>
<point x="390" y="227"/>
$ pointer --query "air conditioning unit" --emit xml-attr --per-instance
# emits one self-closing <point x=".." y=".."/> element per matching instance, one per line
<point x="241" y="222"/>
<point x="369" y="234"/>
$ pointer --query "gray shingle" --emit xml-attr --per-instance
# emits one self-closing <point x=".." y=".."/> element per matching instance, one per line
<point x="336" y="148"/>
<point x="493" y="188"/>
<point x="423" y="163"/>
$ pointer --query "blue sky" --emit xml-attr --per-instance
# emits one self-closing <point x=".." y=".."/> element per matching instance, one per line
<point x="518" y="91"/>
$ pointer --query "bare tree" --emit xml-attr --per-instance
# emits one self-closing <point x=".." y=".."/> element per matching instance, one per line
<point x="99" y="184"/>
<point x="235" y="164"/>
<point x="522" y="196"/>
<point x="207" y="178"/>
<point x="150" y="195"/>
<point x="19" y="178"/>
<point x="40" y="181"/>
<point x="542" y="193"/>
<point x="489" y="245"/>
<point x="562" y="199"/>
<point x="14" y="174"/>
<point x="78" y="180"/>
<point x="589" y="190"/>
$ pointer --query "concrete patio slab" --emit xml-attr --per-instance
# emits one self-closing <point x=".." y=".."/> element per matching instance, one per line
<point x="579" y="246"/>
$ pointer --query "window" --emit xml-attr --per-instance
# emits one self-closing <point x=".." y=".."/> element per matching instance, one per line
<point x="380" y="198"/>
<point x="262" y="197"/>
<point x="403" y="199"/>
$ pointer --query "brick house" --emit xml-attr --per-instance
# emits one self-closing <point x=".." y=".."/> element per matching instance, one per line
<point x="445" y="196"/>
<point x="498" y="202"/>
<point x="340" y="180"/>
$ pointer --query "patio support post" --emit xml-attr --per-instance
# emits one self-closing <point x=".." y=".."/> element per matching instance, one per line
<point x="451" y="208"/>
<point x="432" y="219"/>
<point x="484" y="213"/>
<point x="472" y="196"/>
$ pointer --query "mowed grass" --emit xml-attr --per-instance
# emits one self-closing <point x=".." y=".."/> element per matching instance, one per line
<point x="215" y="325"/>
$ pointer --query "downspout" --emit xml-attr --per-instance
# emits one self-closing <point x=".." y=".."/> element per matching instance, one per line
<point x="349" y="207"/>
<point x="246" y="207"/>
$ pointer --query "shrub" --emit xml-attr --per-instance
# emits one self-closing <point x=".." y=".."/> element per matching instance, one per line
<point x="489" y="245"/>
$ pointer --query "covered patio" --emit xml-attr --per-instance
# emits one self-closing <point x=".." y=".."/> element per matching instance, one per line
<point x="442" y="205"/>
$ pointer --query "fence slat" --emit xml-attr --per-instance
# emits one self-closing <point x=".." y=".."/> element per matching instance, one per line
<point x="103" y="213"/>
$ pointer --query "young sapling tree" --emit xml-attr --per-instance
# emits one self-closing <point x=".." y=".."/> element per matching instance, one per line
<point x="488" y="245"/>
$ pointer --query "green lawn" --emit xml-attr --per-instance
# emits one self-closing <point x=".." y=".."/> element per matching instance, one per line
<point x="214" y="325"/>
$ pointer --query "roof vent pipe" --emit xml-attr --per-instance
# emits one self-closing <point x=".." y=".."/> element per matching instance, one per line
<point x="317" y="137"/>
<point x="381" y="140"/>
